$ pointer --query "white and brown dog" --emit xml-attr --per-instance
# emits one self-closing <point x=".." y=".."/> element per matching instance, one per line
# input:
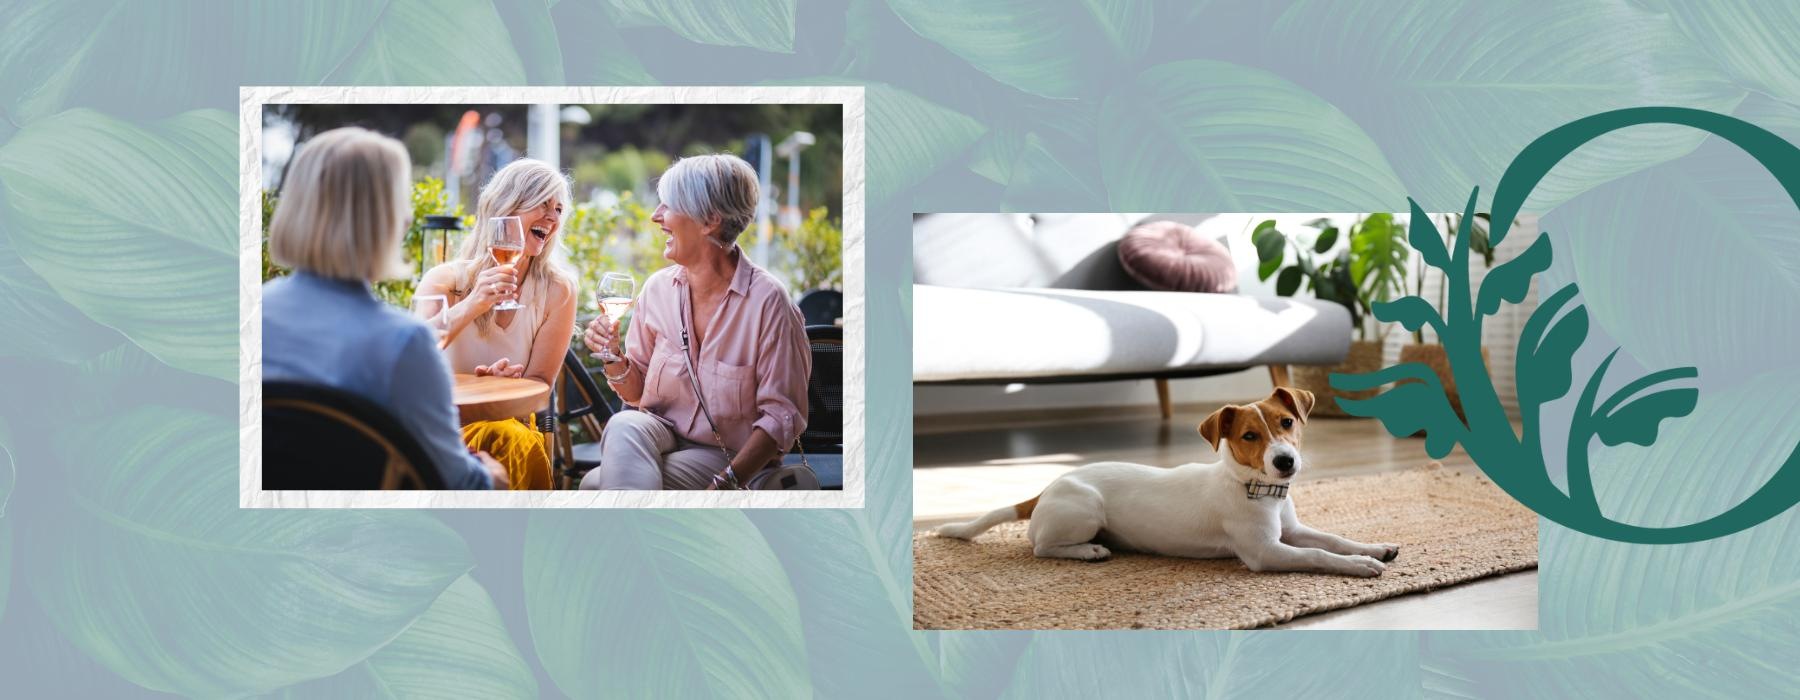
<point x="1237" y="506"/>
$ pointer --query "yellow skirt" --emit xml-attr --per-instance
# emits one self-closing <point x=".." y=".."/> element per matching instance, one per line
<point x="516" y="445"/>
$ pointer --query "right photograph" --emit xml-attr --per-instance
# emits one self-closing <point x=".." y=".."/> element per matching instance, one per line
<point x="1129" y="421"/>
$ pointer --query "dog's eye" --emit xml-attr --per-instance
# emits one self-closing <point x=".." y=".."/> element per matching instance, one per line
<point x="1249" y="437"/>
<point x="1287" y="422"/>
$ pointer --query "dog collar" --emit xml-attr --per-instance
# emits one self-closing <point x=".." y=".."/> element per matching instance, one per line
<point x="1255" y="489"/>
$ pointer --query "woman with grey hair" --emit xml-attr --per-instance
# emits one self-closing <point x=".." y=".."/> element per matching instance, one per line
<point x="716" y="360"/>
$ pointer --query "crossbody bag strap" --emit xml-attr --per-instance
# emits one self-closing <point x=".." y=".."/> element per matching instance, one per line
<point x="694" y="384"/>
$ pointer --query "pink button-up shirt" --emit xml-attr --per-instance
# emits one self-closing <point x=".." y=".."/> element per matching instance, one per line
<point x="752" y="369"/>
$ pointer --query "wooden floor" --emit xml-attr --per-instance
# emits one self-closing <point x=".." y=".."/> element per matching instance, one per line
<point x="967" y="465"/>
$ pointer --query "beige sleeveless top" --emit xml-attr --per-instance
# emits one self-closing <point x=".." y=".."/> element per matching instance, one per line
<point x="471" y="347"/>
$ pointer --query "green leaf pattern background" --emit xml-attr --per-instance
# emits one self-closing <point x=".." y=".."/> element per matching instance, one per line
<point x="126" y="568"/>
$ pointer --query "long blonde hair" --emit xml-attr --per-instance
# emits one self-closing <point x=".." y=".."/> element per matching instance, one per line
<point x="523" y="185"/>
<point x="342" y="212"/>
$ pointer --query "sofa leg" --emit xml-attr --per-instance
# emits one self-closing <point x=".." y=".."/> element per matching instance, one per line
<point x="1278" y="375"/>
<point x="1162" y="398"/>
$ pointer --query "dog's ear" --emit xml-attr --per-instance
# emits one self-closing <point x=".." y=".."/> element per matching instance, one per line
<point x="1216" y="424"/>
<point x="1300" y="401"/>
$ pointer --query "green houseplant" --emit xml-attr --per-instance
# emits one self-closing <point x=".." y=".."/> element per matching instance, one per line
<point x="1370" y="269"/>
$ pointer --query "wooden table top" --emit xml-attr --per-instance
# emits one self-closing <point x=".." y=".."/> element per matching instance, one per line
<point x="498" y="398"/>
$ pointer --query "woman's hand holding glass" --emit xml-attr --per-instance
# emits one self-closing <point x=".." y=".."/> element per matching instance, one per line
<point x="493" y="286"/>
<point x="603" y="336"/>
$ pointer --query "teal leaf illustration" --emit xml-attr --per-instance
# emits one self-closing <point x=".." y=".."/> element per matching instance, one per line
<point x="1041" y="181"/>
<point x="1637" y="420"/>
<point x="135" y="226"/>
<point x="1214" y="665"/>
<point x="1411" y="312"/>
<point x="1059" y="49"/>
<point x="1450" y="109"/>
<point x="150" y="61"/>
<point x="1699" y="619"/>
<point x="1712" y="246"/>
<point x="1544" y="360"/>
<point x="1752" y="40"/>
<point x="38" y="322"/>
<point x="1423" y="235"/>
<point x="1511" y="281"/>
<point x="908" y="136"/>
<point x="535" y="40"/>
<point x="407" y="48"/>
<point x="157" y="574"/>
<point x="758" y="24"/>
<point x="1419" y="404"/>
<point x="854" y="607"/>
<point x="458" y="648"/>
<point x="979" y="664"/>
<point x="661" y="604"/>
<point x="593" y="50"/>
<point x="1211" y="136"/>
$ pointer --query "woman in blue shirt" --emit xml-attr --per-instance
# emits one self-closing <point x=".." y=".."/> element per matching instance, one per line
<point x="339" y="224"/>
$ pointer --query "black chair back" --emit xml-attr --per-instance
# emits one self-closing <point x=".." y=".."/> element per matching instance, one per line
<point x="821" y="307"/>
<point x="319" y="438"/>
<point x="825" y="391"/>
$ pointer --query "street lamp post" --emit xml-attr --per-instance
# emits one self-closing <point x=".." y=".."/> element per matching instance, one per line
<point x="790" y="148"/>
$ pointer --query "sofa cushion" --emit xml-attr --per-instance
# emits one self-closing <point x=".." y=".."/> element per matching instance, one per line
<point x="977" y="250"/>
<point x="1002" y="334"/>
<point x="1171" y="257"/>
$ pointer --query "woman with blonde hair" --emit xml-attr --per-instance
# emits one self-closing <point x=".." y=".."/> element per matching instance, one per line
<point x="529" y="342"/>
<point x="716" y="359"/>
<point x="339" y="223"/>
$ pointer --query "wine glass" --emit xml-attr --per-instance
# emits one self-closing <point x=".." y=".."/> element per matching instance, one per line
<point x="615" y="295"/>
<point x="507" y="244"/>
<point x="430" y="309"/>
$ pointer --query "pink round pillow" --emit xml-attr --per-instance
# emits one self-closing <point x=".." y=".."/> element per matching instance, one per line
<point x="1170" y="257"/>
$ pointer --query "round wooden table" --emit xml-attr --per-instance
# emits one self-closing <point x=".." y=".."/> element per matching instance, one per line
<point x="498" y="398"/>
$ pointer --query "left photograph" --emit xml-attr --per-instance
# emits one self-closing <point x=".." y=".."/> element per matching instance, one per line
<point x="624" y="302"/>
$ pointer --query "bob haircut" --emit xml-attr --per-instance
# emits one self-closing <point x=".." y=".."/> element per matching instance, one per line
<point x="343" y="209"/>
<point x="722" y="185"/>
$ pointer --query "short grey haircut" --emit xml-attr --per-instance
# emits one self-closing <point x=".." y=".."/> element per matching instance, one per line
<point x="722" y="185"/>
<point x="342" y="212"/>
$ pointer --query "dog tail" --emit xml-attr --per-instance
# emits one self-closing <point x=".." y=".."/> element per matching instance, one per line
<point x="968" y="530"/>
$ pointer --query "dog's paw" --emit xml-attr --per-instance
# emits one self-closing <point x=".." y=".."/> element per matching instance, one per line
<point x="1385" y="552"/>
<point x="1092" y="552"/>
<point x="1366" y="567"/>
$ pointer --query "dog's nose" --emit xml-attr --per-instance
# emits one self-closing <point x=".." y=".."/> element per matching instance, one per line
<point x="1285" y="464"/>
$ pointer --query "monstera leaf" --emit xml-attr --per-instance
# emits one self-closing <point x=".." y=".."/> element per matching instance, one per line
<point x="758" y="24"/>
<point x="457" y="648"/>
<point x="1027" y="44"/>
<point x="155" y="572"/>
<point x="661" y="604"/>
<point x="1211" y="136"/>
<point x="134" y="226"/>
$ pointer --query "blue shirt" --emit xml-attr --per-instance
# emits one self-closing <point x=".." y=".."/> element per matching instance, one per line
<point x="338" y="334"/>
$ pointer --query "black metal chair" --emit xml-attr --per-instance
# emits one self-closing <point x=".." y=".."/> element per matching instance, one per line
<point x="821" y="307"/>
<point x="368" y="448"/>
<point x="582" y="401"/>
<point x="823" y="438"/>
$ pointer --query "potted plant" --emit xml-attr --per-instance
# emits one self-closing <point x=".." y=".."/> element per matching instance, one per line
<point x="1432" y="354"/>
<point x="1371" y="269"/>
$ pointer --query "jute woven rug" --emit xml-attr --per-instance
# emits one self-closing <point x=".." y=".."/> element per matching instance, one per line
<point x="1450" y="527"/>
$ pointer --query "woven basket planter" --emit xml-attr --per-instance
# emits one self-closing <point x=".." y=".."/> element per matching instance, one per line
<point x="1364" y="357"/>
